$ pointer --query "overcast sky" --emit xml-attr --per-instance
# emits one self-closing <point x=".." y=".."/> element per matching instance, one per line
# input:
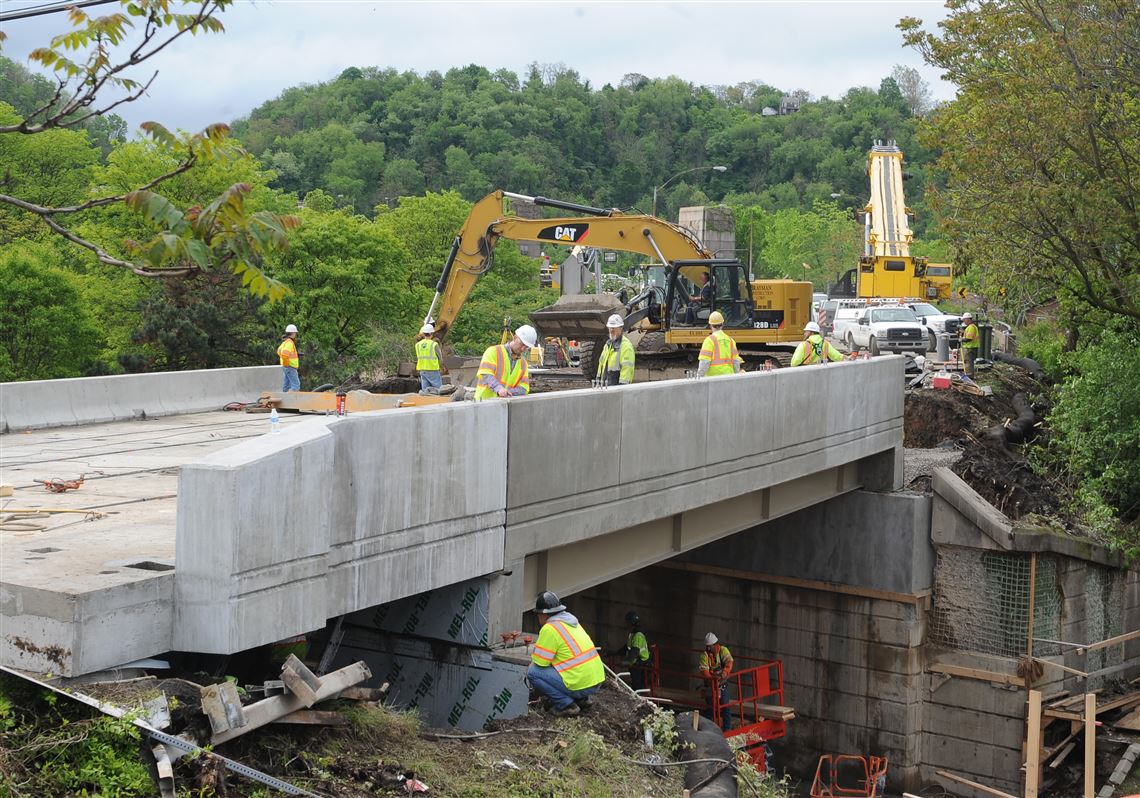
<point x="270" y="45"/>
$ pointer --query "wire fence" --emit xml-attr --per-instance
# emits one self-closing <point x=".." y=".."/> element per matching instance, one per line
<point x="981" y="603"/>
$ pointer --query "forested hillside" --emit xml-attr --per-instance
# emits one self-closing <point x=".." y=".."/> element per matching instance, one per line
<point x="374" y="135"/>
<point x="385" y="164"/>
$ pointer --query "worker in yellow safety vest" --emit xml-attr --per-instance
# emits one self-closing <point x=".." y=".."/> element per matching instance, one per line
<point x="971" y="341"/>
<point x="615" y="366"/>
<point x="715" y="665"/>
<point x="290" y="360"/>
<point x="565" y="667"/>
<point x="503" y="371"/>
<point x="427" y="360"/>
<point x="719" y="355"/>
<point x="814" y="348"/>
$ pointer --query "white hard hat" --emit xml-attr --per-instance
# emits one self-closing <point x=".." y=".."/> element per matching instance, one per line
<point x="811" y="326"/>
<point x="710" y="639"/>
<point x="615" y="321"/>
<point x="967" y="315"/>
<point x="527" y="335"/>
<point x="427" y="329"/>
<point x="291" y="328"/>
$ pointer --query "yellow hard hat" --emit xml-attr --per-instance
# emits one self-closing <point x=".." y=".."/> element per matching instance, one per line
<point x="715" y="318"/>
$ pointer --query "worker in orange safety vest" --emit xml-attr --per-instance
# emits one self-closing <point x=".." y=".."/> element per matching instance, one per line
<point x="503" y="370"/>
<point x="290" y="360"/>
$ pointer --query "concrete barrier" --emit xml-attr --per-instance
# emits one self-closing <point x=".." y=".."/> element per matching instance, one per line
<point x="252" y="541"/>
<point x="334" y="515"/>
<point x="417" y="501"/>
<point x="91" y="400"/>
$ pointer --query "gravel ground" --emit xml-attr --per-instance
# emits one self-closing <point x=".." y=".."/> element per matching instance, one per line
<point x="922" y="462"/>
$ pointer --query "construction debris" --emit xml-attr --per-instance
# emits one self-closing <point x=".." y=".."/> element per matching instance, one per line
<point x="57" y="485"/>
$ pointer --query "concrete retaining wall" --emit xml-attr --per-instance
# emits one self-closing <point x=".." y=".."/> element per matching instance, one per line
<point x="852" y="665"/>
<point x="844" y="541"/>
<point x="91" y="400"/>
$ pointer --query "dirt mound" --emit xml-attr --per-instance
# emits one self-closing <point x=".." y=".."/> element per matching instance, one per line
<point x="1006" y="480"/>
<point x="944" y="418"/>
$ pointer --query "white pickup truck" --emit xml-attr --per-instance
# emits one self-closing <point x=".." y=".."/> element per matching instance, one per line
<point x="886" y="329"/>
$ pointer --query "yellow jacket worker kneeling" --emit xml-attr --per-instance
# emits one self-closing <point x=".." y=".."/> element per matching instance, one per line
<point x="565" y="666"/>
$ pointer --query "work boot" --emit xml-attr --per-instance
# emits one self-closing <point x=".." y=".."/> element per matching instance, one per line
<point x="583" y="703"/>
<point x="566" y="712"/>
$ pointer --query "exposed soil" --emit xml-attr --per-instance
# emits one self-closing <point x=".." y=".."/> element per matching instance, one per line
<point x="1001" y="474"/>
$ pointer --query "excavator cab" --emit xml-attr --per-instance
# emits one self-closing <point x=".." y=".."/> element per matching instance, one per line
<point x="688" y="306"/>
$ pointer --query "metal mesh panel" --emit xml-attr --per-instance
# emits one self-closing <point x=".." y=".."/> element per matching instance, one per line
<point x="981" y="603"/>
<point x="1104" y="618"/>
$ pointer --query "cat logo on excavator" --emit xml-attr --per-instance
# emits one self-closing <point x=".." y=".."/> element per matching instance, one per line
<point x="564" y="233"/>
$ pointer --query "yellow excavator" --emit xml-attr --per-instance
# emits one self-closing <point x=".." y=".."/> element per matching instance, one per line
<point x="667" y="320"/>
<point x="886" y="267"/>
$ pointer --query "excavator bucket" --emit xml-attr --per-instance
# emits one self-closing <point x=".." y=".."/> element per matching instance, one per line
<point x="577" y="317"/>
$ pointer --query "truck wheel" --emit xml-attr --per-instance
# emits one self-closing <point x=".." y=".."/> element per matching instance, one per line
<point x="851" y="343"/>
<point x="931" y="342"/>
<point x="874" y="347"/>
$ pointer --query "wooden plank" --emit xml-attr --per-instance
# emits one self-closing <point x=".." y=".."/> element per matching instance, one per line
<point x="1059" y="666"/>
<point x="791" y="581"/>
<point x="773" y="712"/>
<point x="988" y="790"/>
<point x="1033" y="745"/>
<point x="1117" y="703"/>
<point x="1061" y="756"/>
<point x="313" y="717"/>
<point x="1112" y="641"/>
<point x="976" y="673"/>
<point x="1052" y="751"/>
<point x="1131" y="721"/>
<point x="1090" y="745"/>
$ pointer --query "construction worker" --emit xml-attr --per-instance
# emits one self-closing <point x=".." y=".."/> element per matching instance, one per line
<point x="290" y="360"/>
<point x="427" y="359"/>
<point x="615" y="365"/>
<point x="636" y="656"/>
<point x="715" y="664"/>
<point x="565" y="666"/>
<point x="701" y="300"/>
<point x="503" y="370"/>
<point x="814" y="348"/>
<point x="718" y="352"/>
<point x="971" y="340"/>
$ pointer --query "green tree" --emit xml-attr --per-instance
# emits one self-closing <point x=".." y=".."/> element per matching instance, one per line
<point x="94" y="59"/>
<point x="48" y="332"/>
<point x="1041" y="145"/>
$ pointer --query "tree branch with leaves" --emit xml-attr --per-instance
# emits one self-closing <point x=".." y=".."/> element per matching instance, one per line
<point x="96" y="58"/>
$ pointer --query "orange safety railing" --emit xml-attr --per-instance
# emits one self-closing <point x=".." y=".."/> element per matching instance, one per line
<point x="849" y="776"/>
<point x="752" y="692"/>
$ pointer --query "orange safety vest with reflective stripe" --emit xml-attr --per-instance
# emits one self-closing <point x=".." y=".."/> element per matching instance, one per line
<point x="496" y="363"/>
<point x="427" y="358"/>
<point x="719" y="349"/>
<point x="287" y="352"/>
<point x="572" y="653"/>
<point x="721" y="658"/>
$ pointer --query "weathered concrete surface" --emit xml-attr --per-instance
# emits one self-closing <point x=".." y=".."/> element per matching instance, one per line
<point x="852" y="664"/>
<point x="416" y="502"/>
<point x="93" y="400"/>
<point x="336" y="515"/>
<point x="842" y="541"/>
<point x="277" y="534"/>
<point x="79" y="595"/>
<point x="690" y="444"/>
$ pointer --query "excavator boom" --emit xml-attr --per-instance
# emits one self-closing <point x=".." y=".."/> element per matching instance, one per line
<point x="471" y="252"/>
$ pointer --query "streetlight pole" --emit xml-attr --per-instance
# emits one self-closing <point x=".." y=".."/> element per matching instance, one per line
<point x="685" y="172"/>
